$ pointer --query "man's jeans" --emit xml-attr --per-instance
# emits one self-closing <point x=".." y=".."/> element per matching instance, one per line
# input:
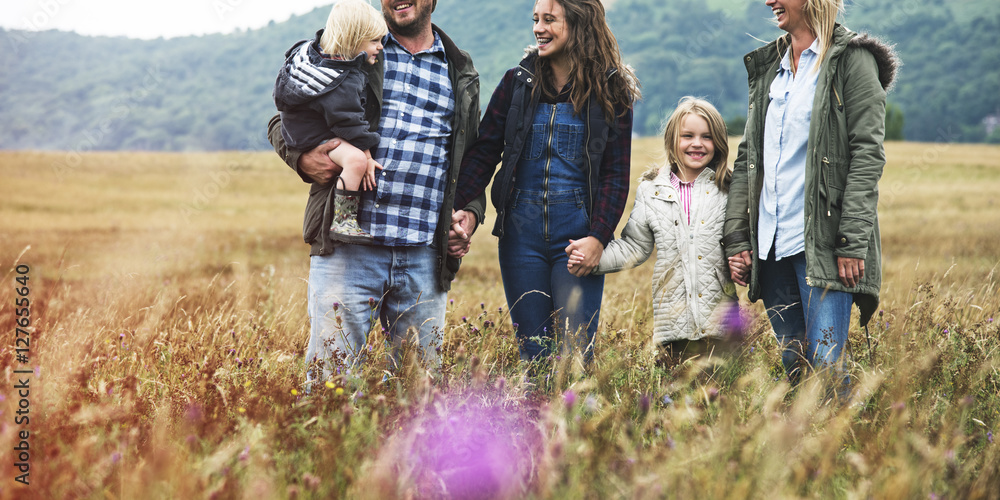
<point x="810" y="323"/>
<point x="357" y="287"/>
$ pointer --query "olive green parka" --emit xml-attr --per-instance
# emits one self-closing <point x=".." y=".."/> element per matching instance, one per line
<point x="844" y="163"/>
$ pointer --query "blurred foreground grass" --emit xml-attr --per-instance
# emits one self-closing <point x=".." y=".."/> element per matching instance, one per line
<point x="168" y="310"/>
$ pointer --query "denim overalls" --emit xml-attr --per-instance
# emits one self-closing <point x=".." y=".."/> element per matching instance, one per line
<point x="547" y="208"/>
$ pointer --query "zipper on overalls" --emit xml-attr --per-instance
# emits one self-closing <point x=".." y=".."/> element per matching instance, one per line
<point x="548" y="163"/>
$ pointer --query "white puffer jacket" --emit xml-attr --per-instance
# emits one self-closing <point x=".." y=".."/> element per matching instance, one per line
<point x="692" y="290"/>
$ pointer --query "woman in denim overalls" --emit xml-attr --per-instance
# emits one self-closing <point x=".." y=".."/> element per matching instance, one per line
<point x="561" y="124"/>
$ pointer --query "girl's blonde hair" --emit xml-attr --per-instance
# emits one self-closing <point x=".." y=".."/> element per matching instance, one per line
<point x="716" y="126"/>
<point x="821" y="16"/>
<point x="351" y="23"/>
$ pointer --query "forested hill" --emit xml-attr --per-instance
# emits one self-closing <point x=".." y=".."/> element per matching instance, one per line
<point x="68" y="92"/>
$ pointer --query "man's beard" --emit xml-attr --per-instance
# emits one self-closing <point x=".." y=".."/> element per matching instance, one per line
<point x="412" y="28"/>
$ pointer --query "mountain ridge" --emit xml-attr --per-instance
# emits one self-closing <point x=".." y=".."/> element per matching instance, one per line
<point x="213" y="92"/>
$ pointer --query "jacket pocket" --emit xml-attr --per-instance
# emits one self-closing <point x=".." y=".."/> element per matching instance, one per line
<point x="835" y="172"/>
<point x="316" y="208"/>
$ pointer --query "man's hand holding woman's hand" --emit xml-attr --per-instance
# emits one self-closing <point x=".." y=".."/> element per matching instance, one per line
<point x="463" y="224"/>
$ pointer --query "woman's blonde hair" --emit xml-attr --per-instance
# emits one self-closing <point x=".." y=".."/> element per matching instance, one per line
<point x="821" y="16"/>
<point x="716" y="126"/>
<point x="351" y="23"/>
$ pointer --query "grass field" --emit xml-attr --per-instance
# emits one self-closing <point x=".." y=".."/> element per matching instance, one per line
<point x="167" y="325"/>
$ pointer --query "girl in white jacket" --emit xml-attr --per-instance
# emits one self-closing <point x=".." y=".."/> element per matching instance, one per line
<point x="679" y="211"/>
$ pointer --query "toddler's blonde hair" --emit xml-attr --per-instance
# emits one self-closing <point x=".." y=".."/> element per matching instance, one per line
<point x="351" y="23"/>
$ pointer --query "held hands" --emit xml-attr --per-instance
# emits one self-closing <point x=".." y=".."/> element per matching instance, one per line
<point x="584" y="255"/>
<point x="739" y="267"/>
<point x="850" y="270"/>
<point x="317" y="165"/>
<point x="463" y="224"/>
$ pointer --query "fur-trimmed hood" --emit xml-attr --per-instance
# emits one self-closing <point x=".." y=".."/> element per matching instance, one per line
<point x="885" y="56"/>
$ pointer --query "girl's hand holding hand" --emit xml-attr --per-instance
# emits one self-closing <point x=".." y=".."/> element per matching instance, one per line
<point x="584" y="255"/>
<point x="739" y="267"/>
<point x="575" y="258"/>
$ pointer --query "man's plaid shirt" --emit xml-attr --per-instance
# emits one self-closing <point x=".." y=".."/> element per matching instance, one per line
<point x="415" y="129"/>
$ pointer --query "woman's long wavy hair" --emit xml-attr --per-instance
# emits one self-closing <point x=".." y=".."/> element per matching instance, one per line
<point x="821" y="16"/>
<point x="592" y="52"/>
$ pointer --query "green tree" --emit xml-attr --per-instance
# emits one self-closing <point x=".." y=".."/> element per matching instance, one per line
<point x="735" y="125"/>
<point x="893" y="122"/>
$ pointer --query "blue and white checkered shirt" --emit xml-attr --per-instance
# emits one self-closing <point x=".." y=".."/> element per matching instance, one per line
<point x="418" y="106"/>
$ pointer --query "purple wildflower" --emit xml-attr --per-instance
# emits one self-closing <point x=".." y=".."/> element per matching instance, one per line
<point x="644" y="404"/>
<point x="735" y="323"/>
<point x="569" y="397"/>
<point x="194" y="413"/>
<point x="713" y="394"/>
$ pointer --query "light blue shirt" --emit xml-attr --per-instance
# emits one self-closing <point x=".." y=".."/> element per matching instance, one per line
<point x="786" y="137"/>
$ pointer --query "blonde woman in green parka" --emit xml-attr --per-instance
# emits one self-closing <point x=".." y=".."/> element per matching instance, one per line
<point x="801" y="226"/>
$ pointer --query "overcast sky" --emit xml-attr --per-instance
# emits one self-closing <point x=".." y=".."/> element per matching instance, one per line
<point x="149" y="19"/>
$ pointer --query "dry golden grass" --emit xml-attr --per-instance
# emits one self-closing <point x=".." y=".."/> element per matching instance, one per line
<point x="168" y="311"/>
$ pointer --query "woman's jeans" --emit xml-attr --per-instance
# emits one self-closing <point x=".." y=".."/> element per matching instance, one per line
<point x="810" y="323"/>
<point x="542" y="295"/>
